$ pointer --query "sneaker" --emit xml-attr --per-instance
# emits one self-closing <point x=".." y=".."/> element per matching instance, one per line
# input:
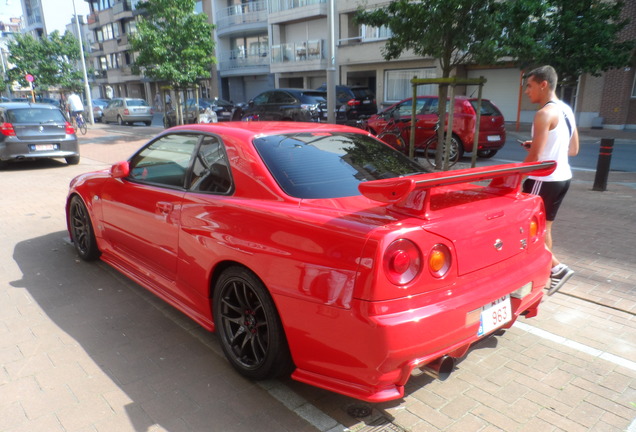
<point x="559" y="278"/>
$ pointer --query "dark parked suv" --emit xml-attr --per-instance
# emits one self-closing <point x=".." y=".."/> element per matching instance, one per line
<point x="289" y="104"/>
<point x="353" y="102"/>
<point x="34" y="131"/>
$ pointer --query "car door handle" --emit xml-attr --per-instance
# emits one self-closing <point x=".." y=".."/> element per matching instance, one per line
<point x="164" y="207"/>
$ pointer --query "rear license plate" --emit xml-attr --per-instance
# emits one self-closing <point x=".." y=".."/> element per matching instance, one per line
<point x="366" y="102"/>
<point x="44" y="147"/>
<point x="494" y="138"/>
<point x="495" y="315"/>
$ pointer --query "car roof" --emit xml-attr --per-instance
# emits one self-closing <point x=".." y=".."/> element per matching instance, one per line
<point x="24" y="105"/>
<point x="254" y="129"/>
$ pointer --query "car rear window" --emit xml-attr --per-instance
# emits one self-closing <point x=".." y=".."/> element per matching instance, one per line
<point x="362" y="93"/>
<point x="136" y="102"/>
<point x="35" y="115"/>
<point x="330" y="165"/>
<point x="487" y="108"/>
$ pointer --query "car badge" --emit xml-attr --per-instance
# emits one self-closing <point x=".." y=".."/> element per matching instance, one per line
<point x="41" y="129"/>
<point x="498" y="244"/>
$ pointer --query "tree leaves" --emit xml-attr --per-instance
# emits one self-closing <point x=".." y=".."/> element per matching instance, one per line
<point x="173" y="43"/>
<point x="52" y="61"/>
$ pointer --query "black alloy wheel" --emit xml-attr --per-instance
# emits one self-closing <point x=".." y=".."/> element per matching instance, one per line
<point x="82" y="232"/>
<point x="251" y="333"/>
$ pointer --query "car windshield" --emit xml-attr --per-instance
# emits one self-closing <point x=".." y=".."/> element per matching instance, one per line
<point x="330" y="165"/>
<point x="35" y="115"/>
<point x="136" y="102"/>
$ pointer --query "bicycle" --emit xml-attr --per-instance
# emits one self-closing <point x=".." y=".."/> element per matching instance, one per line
<point x="79" y="123"/>
<point x="397" y="134"/>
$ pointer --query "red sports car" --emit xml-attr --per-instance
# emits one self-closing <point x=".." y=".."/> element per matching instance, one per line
<point x="318" y="250"/>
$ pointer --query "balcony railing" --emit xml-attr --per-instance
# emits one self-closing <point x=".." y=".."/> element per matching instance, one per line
<point x="298" y="51"/>
<point x="283" y="5"/>
<point x="235" y="59"/>
<point x="242" y="14"/>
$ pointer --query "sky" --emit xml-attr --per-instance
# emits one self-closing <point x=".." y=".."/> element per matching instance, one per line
<point x="57" y="13"/>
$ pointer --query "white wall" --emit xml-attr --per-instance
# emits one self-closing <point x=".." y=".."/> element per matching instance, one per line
<point x="502" y="88"/>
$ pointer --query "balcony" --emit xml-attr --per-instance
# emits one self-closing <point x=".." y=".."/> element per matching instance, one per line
<point x="122" y="9"/>
<point x="242" y="18"/>
<point x="296" y="10"/>
<point x="298" y="56"/>
<point x="93" y="21"/>
<point x="298" y="51"/>
<point x="235" y="62"/>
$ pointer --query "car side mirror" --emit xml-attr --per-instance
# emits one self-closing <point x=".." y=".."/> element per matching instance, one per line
<point x="250" y="103"/>
<point x="120" y="170"/>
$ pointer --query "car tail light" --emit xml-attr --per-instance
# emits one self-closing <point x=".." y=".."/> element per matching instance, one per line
<point x="152" y="111"/>
<point x="69" y="129"/>
<point x="402" y="261"/>
<point x="439" y="260"/>
<point x="126" y="112"/>
<point x="353" y="102"/>
<point x="534" y="227"/>
<point x="7" y="129"/>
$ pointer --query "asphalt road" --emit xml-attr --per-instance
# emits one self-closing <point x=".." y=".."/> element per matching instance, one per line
<point x="623" y="155"/>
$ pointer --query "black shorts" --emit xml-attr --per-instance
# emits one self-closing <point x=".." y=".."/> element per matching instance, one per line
<point x="552" y="193"/>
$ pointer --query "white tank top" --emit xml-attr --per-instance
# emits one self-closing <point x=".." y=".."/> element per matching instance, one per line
<point x="558" y="144"/>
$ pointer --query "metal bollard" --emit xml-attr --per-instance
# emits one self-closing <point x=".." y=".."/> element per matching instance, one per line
<point x="603" y="164"/>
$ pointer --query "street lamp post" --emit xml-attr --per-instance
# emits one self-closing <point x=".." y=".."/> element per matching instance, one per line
<point x="87" y="89"/>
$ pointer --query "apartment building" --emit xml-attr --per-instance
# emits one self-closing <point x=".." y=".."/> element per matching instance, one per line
<point x="262" y="44"/>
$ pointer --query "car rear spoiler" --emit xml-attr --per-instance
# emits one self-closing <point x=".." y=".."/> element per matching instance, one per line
<point x="411" y="193"/>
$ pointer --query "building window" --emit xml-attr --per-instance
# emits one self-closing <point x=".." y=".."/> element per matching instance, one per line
<point x="397" y="83"/>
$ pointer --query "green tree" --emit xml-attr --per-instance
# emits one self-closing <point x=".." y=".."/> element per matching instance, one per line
<point x="574" y="36"/>
<point x="173" y="43"/>
<point x="454" y="32"/>
<point x="52" y="61"/>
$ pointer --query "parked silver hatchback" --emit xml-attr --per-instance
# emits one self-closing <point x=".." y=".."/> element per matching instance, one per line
<point x="34" y="131"/>
<point x="128" y="111"/>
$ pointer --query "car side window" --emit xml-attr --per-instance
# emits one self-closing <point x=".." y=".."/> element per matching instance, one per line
<point x="261" y="99"/>
<point x="210" y="170"/>
<point x="164" y="161"/>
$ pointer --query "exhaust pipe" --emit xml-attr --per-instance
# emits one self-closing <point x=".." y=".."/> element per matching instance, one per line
<point x="440" y="368"/>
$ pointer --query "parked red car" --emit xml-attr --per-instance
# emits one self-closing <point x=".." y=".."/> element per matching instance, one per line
<point x="318" y="250"/>
<point x="492" y="131"/>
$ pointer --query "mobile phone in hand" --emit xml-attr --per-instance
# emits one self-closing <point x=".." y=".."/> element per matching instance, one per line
<point x="523" y="143"/>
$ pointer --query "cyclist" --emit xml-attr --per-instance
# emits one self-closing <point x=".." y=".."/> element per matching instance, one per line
<point x="76" y="107"/>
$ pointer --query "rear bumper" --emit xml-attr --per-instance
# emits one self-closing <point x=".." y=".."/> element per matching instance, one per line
<point x="370" y="351"/>
<point x="21" y="150"/>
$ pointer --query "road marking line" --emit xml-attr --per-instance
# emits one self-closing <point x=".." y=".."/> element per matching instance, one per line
<point x="577" y="346"/>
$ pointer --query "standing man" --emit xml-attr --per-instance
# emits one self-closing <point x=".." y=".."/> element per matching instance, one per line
<point x="554" y="137"/>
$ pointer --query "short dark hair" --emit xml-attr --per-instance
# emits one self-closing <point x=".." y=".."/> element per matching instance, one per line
<point x="544" y="73"/>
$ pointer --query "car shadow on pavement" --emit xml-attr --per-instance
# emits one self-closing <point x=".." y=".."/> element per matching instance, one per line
<point x="155" y="370"/>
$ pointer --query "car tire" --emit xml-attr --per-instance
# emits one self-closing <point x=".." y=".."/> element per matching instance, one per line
<point x="72" y="160"/>
<point x="120" y="121"/>
<point x="248" y="325"/>
<point x="486" y="154"/>
<point x="82" y="233"/>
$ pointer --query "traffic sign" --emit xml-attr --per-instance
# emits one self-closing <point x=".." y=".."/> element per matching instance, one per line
<point x="29" y="78"/>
